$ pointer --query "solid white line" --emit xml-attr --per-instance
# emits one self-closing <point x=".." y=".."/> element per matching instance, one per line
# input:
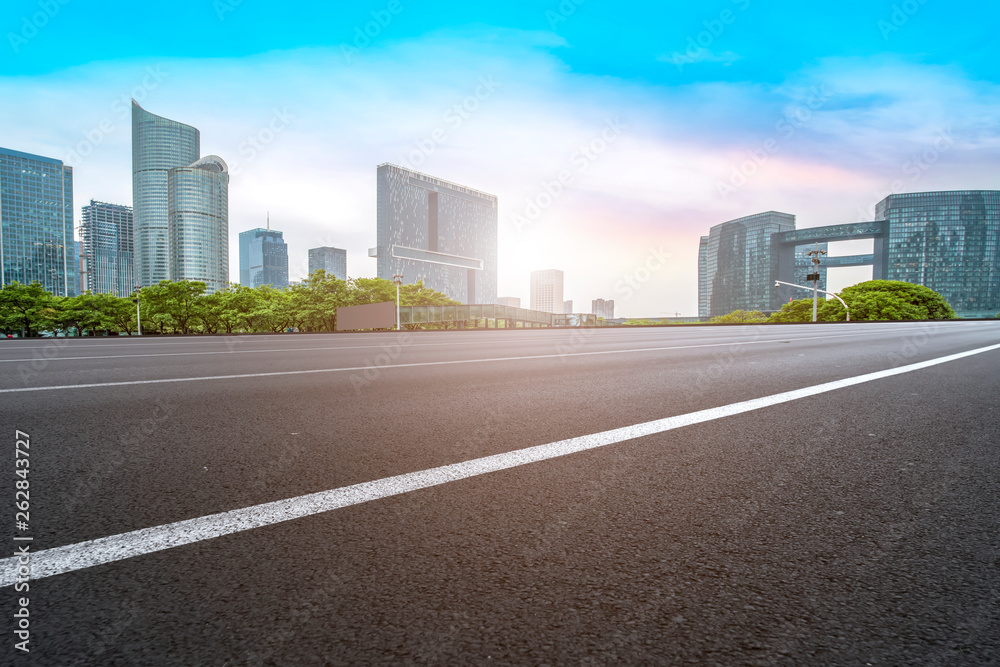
<point x="69" y="558"/>
<point x="241" y="376"/>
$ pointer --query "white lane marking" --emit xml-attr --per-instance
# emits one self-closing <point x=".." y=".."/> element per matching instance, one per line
<point x="60" y="560"/>
<point x="241" y="376"/>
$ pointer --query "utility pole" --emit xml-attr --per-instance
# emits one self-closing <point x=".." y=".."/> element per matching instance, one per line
<point x="398" y="279"/>
<point x="814" y="276"/>
<point x="138" y="317"/>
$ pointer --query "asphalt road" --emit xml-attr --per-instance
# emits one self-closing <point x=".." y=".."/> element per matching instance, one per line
<point x="857" y="525"/>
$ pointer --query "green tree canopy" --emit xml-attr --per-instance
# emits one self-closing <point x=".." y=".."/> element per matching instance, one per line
<point x="888" y="300"/>
<point x="740" y="317"/>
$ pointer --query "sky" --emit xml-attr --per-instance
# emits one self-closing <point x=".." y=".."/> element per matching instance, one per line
<point x="614" y="134"/>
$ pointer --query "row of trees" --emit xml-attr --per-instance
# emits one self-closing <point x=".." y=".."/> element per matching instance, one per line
<point x="184" y="307"/>
<point x="871" y="300"/>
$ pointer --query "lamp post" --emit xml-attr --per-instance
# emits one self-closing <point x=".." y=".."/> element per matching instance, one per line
<point x="398" y="279"/>
<point x="846" y="309"/>
<point x="138" y="318"/>
<point x="814" y="276"/>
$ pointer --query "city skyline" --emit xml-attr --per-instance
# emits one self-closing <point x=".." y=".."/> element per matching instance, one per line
<point x="660" y="136"/>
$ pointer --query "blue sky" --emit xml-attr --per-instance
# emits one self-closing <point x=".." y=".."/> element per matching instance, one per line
<point x="702" y="112"/>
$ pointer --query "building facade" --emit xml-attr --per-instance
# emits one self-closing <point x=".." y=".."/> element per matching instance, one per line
<point x="263" y="258"/>
<point x="36" y="222"/>
<point x="106" y="234"/>
<point x="736" y="270"/>
<point x="512" y="301"/>
<point x="198" y="222"/>
<point x="949" y="242"/>
<point x="331" y="260"/>
<point x="438" y="232"/>
<point x="568" y="306"/>
<point x="603" y="308"/>
<point x="158" y="145"/>
<point x="547" y="291"/>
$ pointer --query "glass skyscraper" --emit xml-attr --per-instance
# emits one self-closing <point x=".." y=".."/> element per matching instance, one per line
<point x="266" y="258"/>
<point x="947" y="241"/>
<point x="36" y="222"/>
<point x="442" y="233"/>
<point x="331" y="260"/>
<point x="198" y="222"/>
<point x="107" y="243"/>
<point x="158" y="145"/>
<point x="735" y="267"/>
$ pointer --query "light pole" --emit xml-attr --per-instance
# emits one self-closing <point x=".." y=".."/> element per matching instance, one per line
<point x="814" y="276"/>
<point x="138" y="318"/>
<point x="781" y="282"/>
<point x="398" y="279"/>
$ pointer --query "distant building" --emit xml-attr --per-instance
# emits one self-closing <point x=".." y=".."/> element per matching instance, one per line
<point x="603" y="308"/>
<point x="158" y="145"/>
<point x="198" y="215"/>
<point x="440" y="232"/>
<point x="547" y="291"/>
<point x="512" y="301"/>
<point x="36" y="222"/>
<point x="263" y="258"/>
<point x="568" y="306"/>
<point x="331" y="260"/>
<point x="106" y="254"/>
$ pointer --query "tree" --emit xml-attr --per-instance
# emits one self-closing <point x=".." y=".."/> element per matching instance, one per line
<point x="23" y="307"/>
<point x="889" y="300"/>
<point x="800" y="310"/>
<point x="740" y="317"/>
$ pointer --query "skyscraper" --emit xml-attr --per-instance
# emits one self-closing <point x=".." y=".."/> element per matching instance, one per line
<point x="107" y="244"/>
<point x="266" y="260"/>
<point x="158" y="145"/>
<point x="547" y="291"/>
<point x="442" y="233"/>
<point x="36" y="222"/>
<point x="735" y="267"/>
<point x="331" y="260"/>
<point x="568" y="306"/>
<point x="198" y="222"/>
<point x="603" y="308"/>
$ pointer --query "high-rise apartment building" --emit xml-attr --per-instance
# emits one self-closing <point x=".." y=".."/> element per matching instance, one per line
<point x="735" y="266"/>
<point x="106" y="234"/>
<point x="440" y="232"/>
<point x="603" y="308"/>
<point x="331" y="260"/>
<point x="547" y="291"/>
<point x="158" y="145"/>
<point x="948" y="241"/>
<point x="198" y="222"/>
<point x="36" y="222"/>
<point x="265" y="261"/>
<point x="568" y="306"/>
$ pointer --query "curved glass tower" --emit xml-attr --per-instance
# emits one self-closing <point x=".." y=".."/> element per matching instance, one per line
<point x="198" y="222"/>
<point x="158" y="145"/>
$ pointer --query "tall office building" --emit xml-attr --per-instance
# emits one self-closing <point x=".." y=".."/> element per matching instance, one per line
<point x="198" y="222"/>
<point x="263" y="258"/>
<point x="36" y="222"/>
<point x="547" y="291"/>
<point x="568" y="306"/>
<point x="947" y="241"/>
<point x="735" y="266"/>
<point x="512" y="301"/>
<point x="442" y="233"/>
<point x="107" y="248"/>
<point x="158" y="145"/>
<point x="331" y="260"/>
<point x="603" y="308"/>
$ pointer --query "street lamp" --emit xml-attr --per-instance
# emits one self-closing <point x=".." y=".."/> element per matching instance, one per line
<point x="138" y="318"/>
<point x="781" y="282"/>
<point x="398" y="279"/>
